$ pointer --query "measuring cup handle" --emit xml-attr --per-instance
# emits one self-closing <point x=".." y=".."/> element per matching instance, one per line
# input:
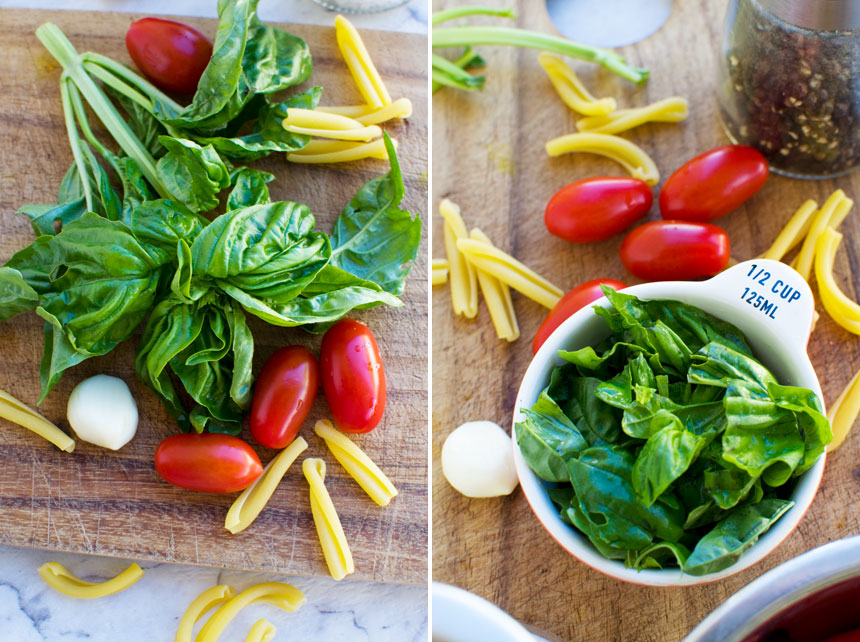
<point x="781" y="297"/>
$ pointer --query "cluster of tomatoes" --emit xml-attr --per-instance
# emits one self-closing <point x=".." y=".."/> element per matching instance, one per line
<point x="683" y="245"/>
<point x="353" y="381"/>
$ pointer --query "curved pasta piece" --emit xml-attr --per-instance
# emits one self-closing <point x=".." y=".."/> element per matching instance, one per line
<point x="253" y="499"/>
<point x="637" y="163"/>
<point x="284" y="596"/>
<point x="367" y="115"/>
<point x="843" y="310"/>
<point x="498" y="298"/>
<point x="319" y="119"/>
<point x="20" y="413"/>
<point x="63" y="581"/>
<point x="350" y="111"/>
<point x="262" y="631"/>
<point x="207" y="600"/>
<point x="334" y="151"/>
<point x="843" y="413"/>
<point x="356" y="462"/>
<point x="464" y="281"/>
<point x="360" y="65"/>
<point x="794" y="231"/>
<point x="803" y="262"/>
<point x="571" y="90"/>
<point x="338" y="557"/>
<point x="439" y="271"/>
<point x="362" y="134"/>
<point x="668" y="110"/>
<point x="510" y="271"/>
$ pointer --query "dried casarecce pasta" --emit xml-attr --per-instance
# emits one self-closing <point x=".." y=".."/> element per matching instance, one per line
<point x="510" y="271"/>
<point x="793" y="232"/>
<point x="843" y="413"/>
<point x="311" y="122"/>
<point x="668" y="110"/>
<point x="497" y="295"/>
<point x="464" y="282"/>
<point x="843" y="310"/>
<point x="356" y="462"/>
<point x="637" y="163"/>
<point x="363" y="71"/>
<point x="262" y="631"/>
<point x="253" y="499"/>
<point x="284" y="596"/>
<point x="338" y="557"/>
<point x="571" y="90"/>
<point x="369" y="115"/>
<point x="20" y="413"/>
<point x="202" y="604"/>
<point x="58" y="578"/>
<point x="439" y="269"/>
<point x="336" y="151"/>
<point x="832" y="213"/>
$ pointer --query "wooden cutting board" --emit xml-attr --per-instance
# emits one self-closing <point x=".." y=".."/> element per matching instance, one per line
<point x="488" y="156"/>
<point x="113" y="503"/>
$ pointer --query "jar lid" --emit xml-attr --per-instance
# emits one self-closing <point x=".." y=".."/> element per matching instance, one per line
<point x="819" y="15"/>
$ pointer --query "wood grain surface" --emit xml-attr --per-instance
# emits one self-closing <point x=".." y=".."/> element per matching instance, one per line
<point x="488" y="156"/>
<point x="113" y="503"/>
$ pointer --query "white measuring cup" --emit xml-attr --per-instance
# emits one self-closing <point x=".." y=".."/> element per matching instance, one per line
<point x="773" y="306"/>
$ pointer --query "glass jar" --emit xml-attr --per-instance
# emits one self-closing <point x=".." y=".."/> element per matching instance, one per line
<point x="789" y="83"/>
<point x="360" y="6"/>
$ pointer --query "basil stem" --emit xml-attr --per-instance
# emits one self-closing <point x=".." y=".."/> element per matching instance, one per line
<point x="473" y="36"/>
<point x="462" y="12"/>
<point x="74" y="138"/>
<point x="63" y="51"/>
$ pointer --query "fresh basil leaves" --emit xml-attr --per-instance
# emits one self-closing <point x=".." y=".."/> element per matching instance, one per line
<point x="670" y="444"/>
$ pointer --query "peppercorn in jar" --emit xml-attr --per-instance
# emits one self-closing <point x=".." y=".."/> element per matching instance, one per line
<point x="789" y="83"/>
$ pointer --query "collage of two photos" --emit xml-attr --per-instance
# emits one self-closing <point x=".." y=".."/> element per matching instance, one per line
<point x="407" y="320"/>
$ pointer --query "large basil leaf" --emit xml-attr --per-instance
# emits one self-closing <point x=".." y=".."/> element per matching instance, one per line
<point x="716" y="364"/>
<point x="191" y="173"/>
<point x="727" y="541"/>
<point x="96" y="283"/>
<point x="160" y="224"/>
<point x="597" y="421"/>
<point x="547" y="438"/>
<point x="249" y="188"/>
<point x="15" y="295"/>
<point x="373" y="238"/>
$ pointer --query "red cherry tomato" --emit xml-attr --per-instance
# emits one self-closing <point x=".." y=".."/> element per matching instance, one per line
<point x="352" y="376"/>
<point x="211" y="462"/>
<point x="667" y="250"/>
<point x="596" y="208"/>
<point x="172" y="55"/>
<point x="713" y="184"/>
<point x="574" y="300"/>
<point x="848" y="636"/>
<point x="283" y="396"/>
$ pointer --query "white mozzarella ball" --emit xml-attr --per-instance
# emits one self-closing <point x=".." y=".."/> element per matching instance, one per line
<point x="102" y="411"/>
<point x="478" y="460"/>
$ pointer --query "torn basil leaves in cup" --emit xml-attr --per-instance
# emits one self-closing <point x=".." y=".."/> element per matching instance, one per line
<point x="669" y="444"/>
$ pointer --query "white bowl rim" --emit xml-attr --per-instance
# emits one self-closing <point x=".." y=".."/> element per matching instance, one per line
<point x="458" y="614"/>
<point x="797" y="327"/>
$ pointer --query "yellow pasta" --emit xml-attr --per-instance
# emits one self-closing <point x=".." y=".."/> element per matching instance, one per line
<point x="61" y="580"/>
<point x="208" y="599"/>
<point x="20" y="413"/>
<point x="262" y="631"/>
<point x="356" y="462"/>
<point x="668" y="110"/>
<point x="335" y="548"/>
<point x="843" y="310"/>
<point x="510" y="271"/>
<point x="319" y="119"/>
<point x="253" y="499"/>
<point x="843" y="413"/>
<point x="793" y="232"/>
<point x="803" y="262"/>
<point x="464" y="282"/>
<point x="571" y="90"/>
<point x="367" y="115"/>
<point x="439" y="271"/>
<point x="350" y="111"/>
<point x="283" y="596"/>
<point x="637" y="163"/>
<point x="362" y="134"/>
<point x="339" y="152"/>
<point x="498" y="298"/>
<point x="360" y="65"/>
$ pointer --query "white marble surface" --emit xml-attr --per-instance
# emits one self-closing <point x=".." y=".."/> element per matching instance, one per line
<point x="150" y="610"/>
